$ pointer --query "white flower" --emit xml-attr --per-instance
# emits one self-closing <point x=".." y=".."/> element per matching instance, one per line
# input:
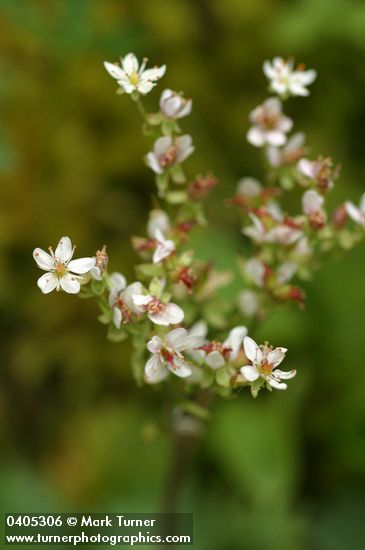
<point x="131" y="76"/>
<point x="157" y="311"/>
<point x="121" y="298"/>
<point x="101" y="264"/>
<point x="200" y="330"/>
<point x="264" y="365"/>
<point x="249" y="187"/>
<point x="168" y="151"/>
<point x="284" y="80"/>
<point x="62" y="272"/>
<point x="173" y="105"/>
<point x="269" y="124"/>
<point x="319" y="170"/>
<point x="164" y="247"/>
<point x="218" y="353"/>
<point x="167" y="355"/>
<point x="158" y="220"/>
<point x="312" y="202"/>
<point x="290" y="153"/>
<point x="286" y="271"/>
<point x="283" y="233"/>
<point x="255" y="271"/>
<point x="248" y="302"/>
<point x="357" y="214"/>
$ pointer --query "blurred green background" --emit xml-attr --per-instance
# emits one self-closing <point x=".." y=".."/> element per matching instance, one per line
<point x="284" y="472"/>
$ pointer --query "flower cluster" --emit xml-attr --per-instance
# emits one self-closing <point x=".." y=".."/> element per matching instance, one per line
<point x="173" y="312"/>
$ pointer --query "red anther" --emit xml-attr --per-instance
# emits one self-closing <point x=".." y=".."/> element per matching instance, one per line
<point x="185" y="227"/>
<point x="186" y="278"/>
<point x="201" y="186"/>
<point x="289" y="222"/>
<point x="296" y="294"/>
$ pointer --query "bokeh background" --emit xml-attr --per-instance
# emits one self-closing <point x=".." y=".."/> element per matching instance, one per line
<point x="286" y="471"/>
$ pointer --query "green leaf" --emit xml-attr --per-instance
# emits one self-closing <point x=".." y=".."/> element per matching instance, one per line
<point x="85" y="292"/>
<point x="207" y="378"/>
<point x="144" y="271"/>
<point x="223" y="377"/>
<point x="116" y="335"/>
<point x="106" y="318"/>
<point x="177" y="174"/>
<point x="154" y="119"/>
<point x="97" y="287"/>
<point x="176" y="197"/>
<point x="196" y="410"/>
<point x="156" y="287"/>
<point x="162" y="183"/>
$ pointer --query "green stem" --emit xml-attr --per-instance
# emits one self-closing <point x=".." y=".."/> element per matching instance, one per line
<point x="141" y="109"/>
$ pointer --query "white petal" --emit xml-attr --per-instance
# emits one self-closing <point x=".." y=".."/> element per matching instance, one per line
<point x="307" y="168"/>
<point x="215" y="359"/>
<point x="269" y="70"/>
<point x="130" y="63"/>
<point x="155" y="344"/>
<point x="152" y="161"/>
<point x="312" y="202"/>
<point x="163" y="250"/>
<point x="81" y="266"/>
<point x="276" y="356"/>
<point x="117" y="317"/>
<point x="295" y="142"/>
<point x="174" y="314"/>
<point x="286" y="271"/>
<point x="155" y="370"/>
<point x="162" y="144"/>
<point x="354" y="213"/>
<point x="255" y="136"/>
<point x="273" y="104"/>
<point x="250" y="373"/>
<point x="144" y="87"/>
<point x="126" y="86"/>
<point x="248" y="302"/>
<point x="47" y="282"/>
<point x="284" y="375"/>
<point x="255" y="271"/>
<point x="70" y="284"/>
<point x="96" y="274"/>
<point x="275" y="138"/>
<point x="117" y="281"/>
<point x="158" y="220"/>
<point x="43" y="259"/>
<point x="186" y="109"/>
<point x="165" y="95"/>
<point x="114" y="70"/>
<point x="141" y="301"/>
<point x="184" y="143"/>
<point x="199" y="329"/>
<point x="249" y="187"/>
<point x="127" y="295"/>
<point x="252" y="350"/>
<point x="153" y="74"/>
<point x="279" y="86"/>
<point x="180" y="368"/>
<point x="175" y="338"/>
<point x="234" y="341"/>
<point x="64" y="250"/>
<point x="275" y="384"/>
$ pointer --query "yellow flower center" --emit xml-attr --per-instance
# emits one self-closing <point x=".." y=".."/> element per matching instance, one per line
<point x="134" y="78"/>
<point x="60" y="269"/>
<point x="266" y="368"/>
